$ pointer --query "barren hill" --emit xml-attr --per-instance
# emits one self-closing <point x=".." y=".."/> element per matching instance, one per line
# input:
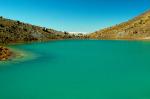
<point x="137" y="28"/>
<point x="12" y="31"/>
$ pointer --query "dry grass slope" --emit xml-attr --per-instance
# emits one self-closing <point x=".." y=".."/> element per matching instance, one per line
<point x="137" y="28"/>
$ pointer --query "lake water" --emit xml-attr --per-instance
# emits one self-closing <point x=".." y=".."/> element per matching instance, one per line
<point x="82" y="69"/>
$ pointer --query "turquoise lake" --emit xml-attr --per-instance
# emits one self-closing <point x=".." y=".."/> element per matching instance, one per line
<point x="78" y="69"/>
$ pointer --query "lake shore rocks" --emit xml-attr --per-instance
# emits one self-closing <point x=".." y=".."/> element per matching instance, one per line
<point x="5" y="53"/>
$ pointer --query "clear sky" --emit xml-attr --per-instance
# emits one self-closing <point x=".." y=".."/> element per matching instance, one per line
<point x="73" y="15"/>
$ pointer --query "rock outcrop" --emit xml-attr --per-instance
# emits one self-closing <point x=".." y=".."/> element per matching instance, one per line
<point x="5" y="53"/>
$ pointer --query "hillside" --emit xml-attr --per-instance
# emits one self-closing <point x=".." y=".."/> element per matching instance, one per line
<point x="12" y="31"/>
<point x="137" y="28"/>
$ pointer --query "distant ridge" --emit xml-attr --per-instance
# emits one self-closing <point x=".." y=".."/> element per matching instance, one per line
<point x="137" y="28"/>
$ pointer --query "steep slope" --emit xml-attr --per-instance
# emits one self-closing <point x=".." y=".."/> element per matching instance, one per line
<point x="15" y="31"/>
<point x="137" y="28"/>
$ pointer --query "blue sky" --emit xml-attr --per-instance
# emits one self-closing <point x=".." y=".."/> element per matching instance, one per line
<point x="73" y="15"/>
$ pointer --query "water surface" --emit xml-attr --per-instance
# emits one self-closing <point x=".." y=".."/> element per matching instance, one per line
<point x="84" y="69"/>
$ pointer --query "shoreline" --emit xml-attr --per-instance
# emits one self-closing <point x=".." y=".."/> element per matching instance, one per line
<point x="117" y="39"/>
<point x="8" y="53"/>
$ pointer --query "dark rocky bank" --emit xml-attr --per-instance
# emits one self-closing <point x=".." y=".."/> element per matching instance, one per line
<point x="5" y="53"/>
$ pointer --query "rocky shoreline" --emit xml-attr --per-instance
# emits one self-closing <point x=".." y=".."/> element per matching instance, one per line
<point x="5" y="53"/>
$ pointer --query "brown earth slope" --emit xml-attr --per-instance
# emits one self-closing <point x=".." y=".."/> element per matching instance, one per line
<point x="137" y="28"/>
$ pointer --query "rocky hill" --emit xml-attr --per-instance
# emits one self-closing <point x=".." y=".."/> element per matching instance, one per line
<point x="137" y="28"/>
<point x="12" y="31"/>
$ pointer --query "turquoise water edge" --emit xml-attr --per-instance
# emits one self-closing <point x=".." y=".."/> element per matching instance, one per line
<point x="82" y="69"/>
